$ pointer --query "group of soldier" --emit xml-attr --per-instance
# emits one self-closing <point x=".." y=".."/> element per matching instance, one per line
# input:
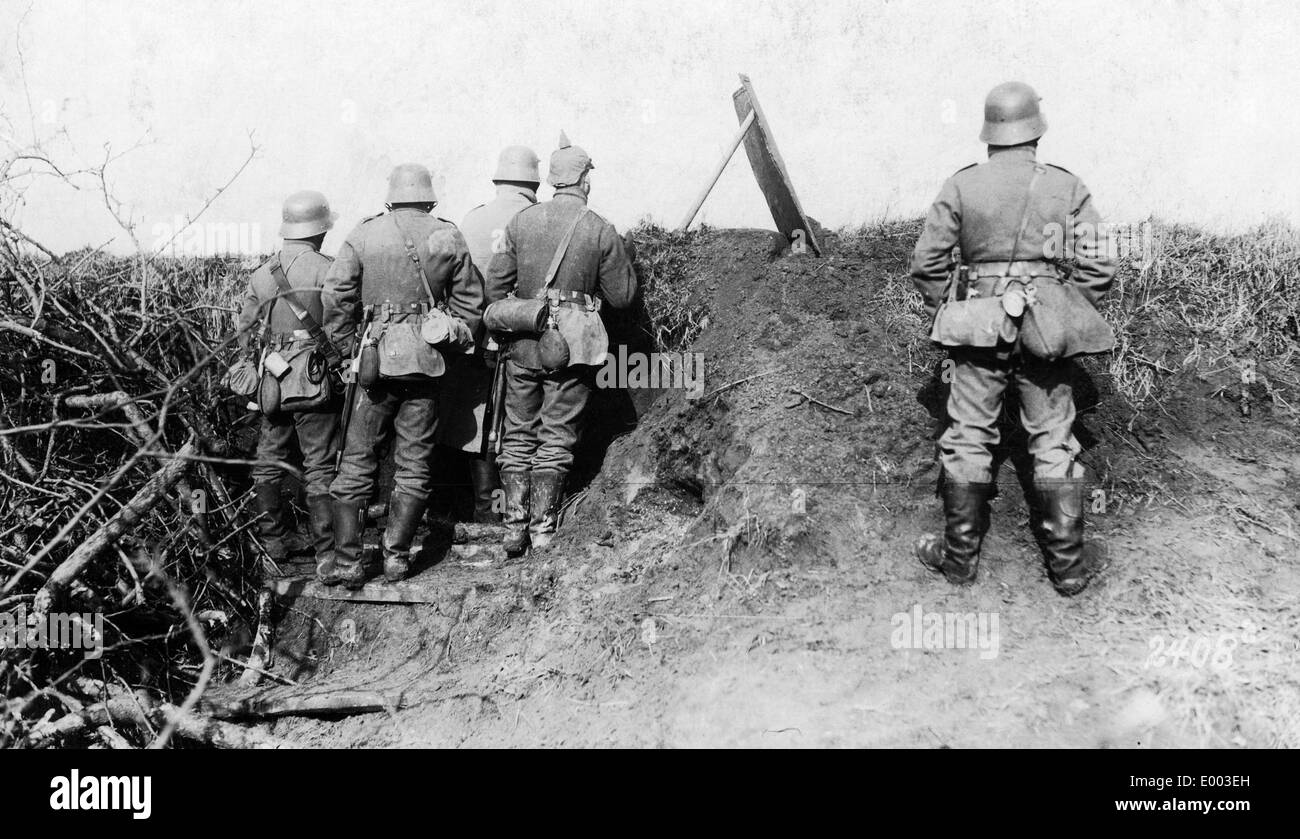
<point x="396" y="320"/>
<point x="1009" y="313"/>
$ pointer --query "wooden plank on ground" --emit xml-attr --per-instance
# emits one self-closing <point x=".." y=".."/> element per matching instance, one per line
<point x="375" y="591"/>
<point x="464" y="567"/>
<point x="287" y="700"/>
<point x="486" y="534"/>
<point x="769" y="170"/>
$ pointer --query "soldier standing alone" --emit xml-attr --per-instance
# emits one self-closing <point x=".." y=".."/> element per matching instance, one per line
<point x="405" y="290"/>
<point x="305" y="219"/>
<point x="585" y="262"/>
<point x="1004" y="214"/>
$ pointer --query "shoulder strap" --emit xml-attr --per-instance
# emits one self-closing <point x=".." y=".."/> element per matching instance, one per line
<point x="560" y="251"/>
<point x="419" y="264"/>
<point x="271" y="265"/>
<point x="1024" y="218"/>
<point x="313" y="328"/>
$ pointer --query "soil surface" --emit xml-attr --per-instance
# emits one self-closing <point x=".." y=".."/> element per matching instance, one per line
<point x="739" y="572"/>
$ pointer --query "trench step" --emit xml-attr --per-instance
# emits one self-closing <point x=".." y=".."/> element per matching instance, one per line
<point x="464" y="567"/>
<point x="478" y="554"/>
<point x="407" y="591"/>
<point x="468" y="531"/>
<point x="472" y="554"/>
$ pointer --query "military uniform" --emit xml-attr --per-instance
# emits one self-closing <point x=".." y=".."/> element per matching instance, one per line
<point x="979" y="210"/>
<point x="543" y="410"/>
<point x="467" y="385"/>
<point x="1005" y="229"/>
<point x="374" y="271"/>
<point x="306" y="214"/>
<point x="484" y="227"/>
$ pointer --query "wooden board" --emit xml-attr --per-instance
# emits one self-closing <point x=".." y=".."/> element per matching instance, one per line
<point x="286" y="700"/>
<point x="770" y="170"/>
<point x="375" y="591"/>
<point x="464" y="567"/>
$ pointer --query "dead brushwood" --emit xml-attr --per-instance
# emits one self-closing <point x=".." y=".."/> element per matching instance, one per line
<point x="120" y="475"/>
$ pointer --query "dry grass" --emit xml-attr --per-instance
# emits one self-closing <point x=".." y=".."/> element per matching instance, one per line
<point x="1196" y="301"/>
<point x="903" y="316"/>
<point x="675" y="314"/>
<point x="1188" y="301"/>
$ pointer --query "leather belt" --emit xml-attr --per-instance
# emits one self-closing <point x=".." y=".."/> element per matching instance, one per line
<point x="400" y="311"/>
<point x="284" y="339"/>
<point x="1019" y="268"/>
<point x="558" y="297"/>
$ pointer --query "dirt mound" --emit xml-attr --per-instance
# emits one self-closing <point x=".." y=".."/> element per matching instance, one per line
<point x="739" y="569"/>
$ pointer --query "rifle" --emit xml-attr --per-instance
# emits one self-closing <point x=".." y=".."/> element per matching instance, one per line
<point x="350" y="392"/>
<point x="495" y="422"/>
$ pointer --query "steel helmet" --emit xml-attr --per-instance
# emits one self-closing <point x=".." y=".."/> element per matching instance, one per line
<point x="305" y="214"/>
<point x="410" y="183"/>
<point x="568" y="164"/>
<point x="517" y="163"/>
<point x="1011" y="115"/>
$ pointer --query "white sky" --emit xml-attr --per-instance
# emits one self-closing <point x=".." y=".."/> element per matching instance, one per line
<point x="1186" y="110"/>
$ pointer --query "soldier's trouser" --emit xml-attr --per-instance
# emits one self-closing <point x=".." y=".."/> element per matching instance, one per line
<point x="408" y="410"/>
<point x="316" y="437"/>
<point x="979" y="383"/>
<point x="465" y="389"/>
<point x="543" y="412"/>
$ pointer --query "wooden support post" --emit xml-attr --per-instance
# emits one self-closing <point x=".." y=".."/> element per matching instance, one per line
<point x="717" y="172"/>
